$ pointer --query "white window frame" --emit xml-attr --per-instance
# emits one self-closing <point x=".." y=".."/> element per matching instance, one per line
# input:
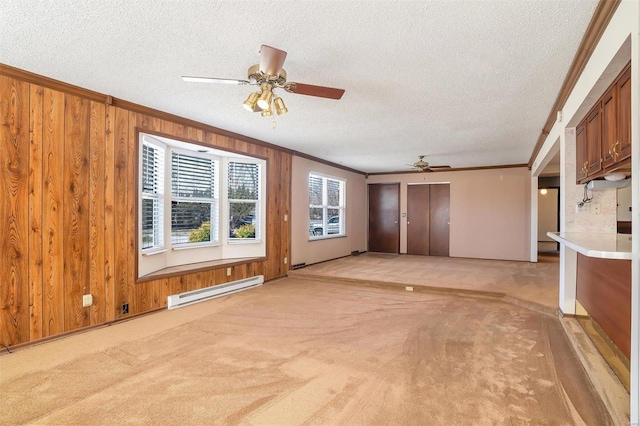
<point x="341" y="207"/>
<point x="213" y="201"/>
<point x="156" y="196"/>
<point x="166" y="254"/>
<point x="258" y="203"/>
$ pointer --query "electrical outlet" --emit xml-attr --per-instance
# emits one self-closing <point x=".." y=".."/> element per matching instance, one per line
<point x="408" y="288"/>
<point x="87" y="300"/>
<point x="286" y="260"/>
<point x="125" y="308"/>
<point x="228" y="272"/>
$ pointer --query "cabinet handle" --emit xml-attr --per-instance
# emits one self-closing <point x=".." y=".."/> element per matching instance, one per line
<point x="613" y="149"/>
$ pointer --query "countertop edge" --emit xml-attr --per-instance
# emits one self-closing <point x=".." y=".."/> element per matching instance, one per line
<point x="602" y="254"/>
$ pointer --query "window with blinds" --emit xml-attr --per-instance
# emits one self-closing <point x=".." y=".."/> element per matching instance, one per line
<point x="152" y="196"/>
<point x="197" y="204"/>
<point x="194" y="210"/>
<point x="243" y="196"/>
<point x="326" y="207"/>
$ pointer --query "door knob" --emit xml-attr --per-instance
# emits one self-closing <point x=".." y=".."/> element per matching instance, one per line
<point x="395" y="221"/>
<point x="408" y="223"/>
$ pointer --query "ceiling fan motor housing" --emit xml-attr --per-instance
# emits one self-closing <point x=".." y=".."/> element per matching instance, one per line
<point x="255" y="76"/>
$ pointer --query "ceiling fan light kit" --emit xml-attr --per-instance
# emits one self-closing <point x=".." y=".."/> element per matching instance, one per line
<point x="265" y="97"/>
<point x="278" y="103"/>
<point x="252" y="100"/>
<point x="267" y="112"/>
<point x="269" y="75"/>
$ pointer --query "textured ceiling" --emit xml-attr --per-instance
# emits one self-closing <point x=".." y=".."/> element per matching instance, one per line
<point x="468" y="83"/>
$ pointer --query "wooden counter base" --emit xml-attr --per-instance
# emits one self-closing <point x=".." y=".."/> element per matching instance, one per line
<point x="604" y="289"/>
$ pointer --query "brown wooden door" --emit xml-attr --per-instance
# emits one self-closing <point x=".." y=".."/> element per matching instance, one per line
<point x="384" y="216"/>
<point x="418" y="219"/>
<point x="609" y="125"/>
<point x="624" y="116"/>
<point x="428" y="219"/>
<point x="594" y="139"/>
<point x="439" y="220"/>
<point x="581" y="152"/>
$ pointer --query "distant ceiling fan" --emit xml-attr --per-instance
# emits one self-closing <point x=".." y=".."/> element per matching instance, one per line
<point x="269" y="75"/>
<point x="424" y="166"/>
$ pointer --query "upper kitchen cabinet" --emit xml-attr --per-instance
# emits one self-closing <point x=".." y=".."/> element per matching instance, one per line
<point x="581" y="151"/>
<point x="603" y="137"/>
<point x="609" y="125"/>
<point x="594" y="141"/>
<point x="623" y="150"/>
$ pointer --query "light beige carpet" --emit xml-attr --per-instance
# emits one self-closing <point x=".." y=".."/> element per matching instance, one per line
<point x="529" y="282"/>
<point x="308" y="352"/>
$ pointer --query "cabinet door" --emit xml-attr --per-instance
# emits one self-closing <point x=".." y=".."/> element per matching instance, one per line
<point x="594" y="139"/>
<point x="624" y="116"/>
<point x="609" y="125"/>
<point x="581" y="152"/>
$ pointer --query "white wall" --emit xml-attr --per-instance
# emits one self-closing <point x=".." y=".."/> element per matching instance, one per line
<point x="547" y="213"/>
<point x="309" y="252"/>
<point x="489" y="211"/>
<point x="624" y="204"/>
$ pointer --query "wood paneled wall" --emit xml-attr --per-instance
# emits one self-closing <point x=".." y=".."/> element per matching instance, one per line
<point x="67" y="203"/>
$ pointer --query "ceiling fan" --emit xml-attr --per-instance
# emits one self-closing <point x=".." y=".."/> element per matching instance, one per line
<point x="424" y="166"/>
<point x="269" y="75"/>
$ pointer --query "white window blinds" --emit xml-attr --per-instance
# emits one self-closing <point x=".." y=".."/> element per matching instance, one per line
<point x="152" y="196"/>
<point x="193" y="199"/>
<point x="192" y="176"/>
<point x="243" y="196"/>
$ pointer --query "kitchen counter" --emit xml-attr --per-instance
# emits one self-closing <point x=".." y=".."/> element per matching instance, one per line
<point x="603" y="246"/>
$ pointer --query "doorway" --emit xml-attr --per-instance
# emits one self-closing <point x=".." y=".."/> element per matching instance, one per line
<point x="384" y="216"/>
<point x="548" y="214"/>
<point x="428" y="219"/>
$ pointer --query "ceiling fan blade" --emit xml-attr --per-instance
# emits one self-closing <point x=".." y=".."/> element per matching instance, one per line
<point x="310" y="90"/>
<point x="213" y="80"/>
<point x="271" y="60"/>
<point x="439" y="167"/>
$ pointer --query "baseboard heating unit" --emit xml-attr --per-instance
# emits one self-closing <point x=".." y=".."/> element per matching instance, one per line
<point x="195" y="296"/>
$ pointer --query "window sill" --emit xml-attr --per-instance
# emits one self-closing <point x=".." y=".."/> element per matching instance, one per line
<point x="194" y="246"/>
<point x="197" y="267"/>
<point x="243" y="241"/>
<point x="328" y="237"/>
<point x="151" y="253"/>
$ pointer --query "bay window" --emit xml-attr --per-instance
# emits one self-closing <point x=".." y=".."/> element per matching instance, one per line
<point x="197" y="204"/>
